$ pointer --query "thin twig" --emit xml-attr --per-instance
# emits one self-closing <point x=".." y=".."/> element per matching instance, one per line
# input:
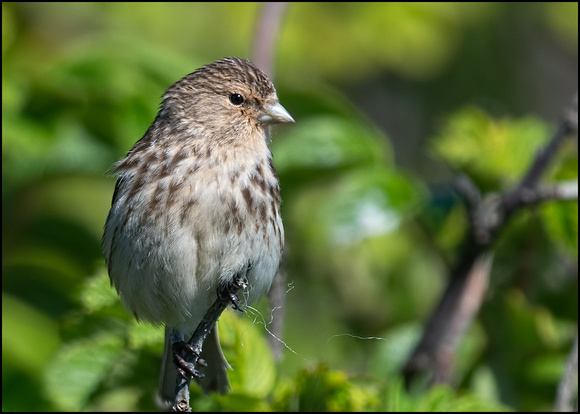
<point x="277" y="299"/>
<point x="568" y="386"/>
<point x="564" y="191"/>
<point x="513" y="200"/>
<point x="468" y="191"/>
<point x="263" y="53"/>
<point x="267" y="32"/>
<point x="197" y="339"/>
<point x="196" y="342"/>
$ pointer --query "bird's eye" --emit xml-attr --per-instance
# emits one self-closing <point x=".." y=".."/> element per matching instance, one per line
<point x="236" y="99"/>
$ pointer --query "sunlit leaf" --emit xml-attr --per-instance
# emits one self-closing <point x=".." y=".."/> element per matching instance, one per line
<point x="320" y="389"/>
<point x="365" y="203"/>
<point x="247" y="351"/>
<point x="561" y="220"/>
<point x="97" y="293"/>
<point x="326" y="143"/>
<point x="29" y="337"/>
<point x="78" y="368"/>
<point x="489" y="150"/>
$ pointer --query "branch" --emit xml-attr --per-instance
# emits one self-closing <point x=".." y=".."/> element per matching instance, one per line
<point x="452" y="317"/>
<point x="512" y="201"/>
<point x="196" y="342"/>
<point x="267" y="31"/>
<point x="568" y="386"/>
<point x="468" y="191"/>
<point x="277" y="299"/>
<point x="266" y="35"/>
<point x="488" y="217"/>
<point x="564" y="191"/>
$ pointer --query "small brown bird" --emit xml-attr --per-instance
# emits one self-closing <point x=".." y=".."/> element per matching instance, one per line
<point x="197" y="205"/>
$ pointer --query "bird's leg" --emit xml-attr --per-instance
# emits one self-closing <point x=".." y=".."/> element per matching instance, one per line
<point x="227" y="293"/>
<point x="183" y="353"/>
<point x="185" y="356"/>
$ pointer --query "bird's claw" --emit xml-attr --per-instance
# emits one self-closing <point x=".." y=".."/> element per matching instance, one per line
<point x="228" y="293"/>
<point x="182" y="351"/>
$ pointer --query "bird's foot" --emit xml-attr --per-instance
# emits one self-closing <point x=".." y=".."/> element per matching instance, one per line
<point x="228" y="292"/>
<point x="182" y="353"/>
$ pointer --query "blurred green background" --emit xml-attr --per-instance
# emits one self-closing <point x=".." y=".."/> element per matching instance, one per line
<point x="390" y="101"/>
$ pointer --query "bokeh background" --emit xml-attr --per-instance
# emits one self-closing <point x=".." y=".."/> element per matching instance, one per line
<point x="391" y="101"/>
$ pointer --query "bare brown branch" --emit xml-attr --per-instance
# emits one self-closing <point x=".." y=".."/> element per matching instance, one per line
<point x="568" y="386"/>
<point x="277" y="299"/>
<point x="267" y="30"/>
<point x="488" y="217"/>
<point x="266" y="35"/>
<point x="197" y="339"/>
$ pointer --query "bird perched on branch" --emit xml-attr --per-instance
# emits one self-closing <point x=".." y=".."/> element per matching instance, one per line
<point x="197" y="207"/>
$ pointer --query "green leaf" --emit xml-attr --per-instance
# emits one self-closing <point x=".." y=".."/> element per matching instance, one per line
<point x="440" y="398"/>
<point x="78" y="368"/>
<point x="413" y="40"/>
<point x="489" y="150"/>
<point x="97" y="292"/>
<point x="485" y="384"/>
<point x="119" y="399"/>
<point x="319" y="389"/>
<point x="248" y="353"/>
<point x="546" y="369"/>
<point x="562" y="19"/>
<point x="393" y="351"/>
<point x="24" y="329"/>
<point x="326" y="142"/>
<point x="364" y="203"/>
<point x="561" y="221"/>
<point x="240" y="401"/>
<point x="142" y="335"/>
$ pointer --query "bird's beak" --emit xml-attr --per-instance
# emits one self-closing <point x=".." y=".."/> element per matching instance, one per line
<point x="275" y="114"/>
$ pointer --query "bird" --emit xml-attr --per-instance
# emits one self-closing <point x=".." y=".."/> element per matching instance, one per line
<point x="196" y="205"/>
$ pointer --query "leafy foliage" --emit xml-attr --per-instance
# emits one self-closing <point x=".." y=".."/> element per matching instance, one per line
<point x="370" y="229"/>
<point x="509" y="145"/>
